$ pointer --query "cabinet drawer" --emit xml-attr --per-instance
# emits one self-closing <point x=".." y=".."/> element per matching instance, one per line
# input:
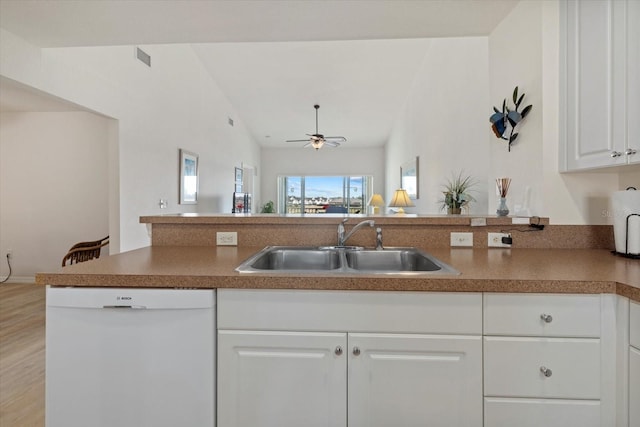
<point x="500" y="412"/>
<point x="354" y="311"/>
<point x="548" y="315"/>
<point x="513" y="367"/>
<point x="634" y="324"/>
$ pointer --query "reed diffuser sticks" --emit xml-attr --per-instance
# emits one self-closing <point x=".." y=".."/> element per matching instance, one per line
<point x="503" y="186"/>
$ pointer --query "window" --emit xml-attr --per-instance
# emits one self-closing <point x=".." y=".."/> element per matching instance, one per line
<point x="322" y="194"/>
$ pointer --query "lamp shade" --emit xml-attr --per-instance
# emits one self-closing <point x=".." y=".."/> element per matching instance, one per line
<point x="377" y="202"/>
<point x="401" y="200"/>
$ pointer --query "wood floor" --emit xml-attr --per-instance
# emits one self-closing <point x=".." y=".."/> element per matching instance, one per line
<point x="22" y="362"/>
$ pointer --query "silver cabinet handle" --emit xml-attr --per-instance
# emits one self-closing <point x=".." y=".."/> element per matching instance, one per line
<point x="356" y="351"/>
<point x="547" y="318"/>
<point x="338" y="351"/>
<point x="615" y="154"/>
<point x="546" y="371"/>
<point x="630" y="152"/>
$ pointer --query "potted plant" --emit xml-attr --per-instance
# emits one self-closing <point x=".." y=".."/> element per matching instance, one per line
<point x="268" y="207"/>
<point x="456" y="193"/>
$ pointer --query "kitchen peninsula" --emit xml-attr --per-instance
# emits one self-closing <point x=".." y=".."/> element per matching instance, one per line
<point x="536" y="334"/>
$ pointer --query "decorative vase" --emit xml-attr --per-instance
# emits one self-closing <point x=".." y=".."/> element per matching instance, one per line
<point x="454" y="211"/>
<point x="503" y="209"/>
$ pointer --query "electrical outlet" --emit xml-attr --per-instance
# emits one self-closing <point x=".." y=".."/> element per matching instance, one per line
<point x="462" y="239"/>
<point x="495" y="240"/>
<point x="227" y="238"/>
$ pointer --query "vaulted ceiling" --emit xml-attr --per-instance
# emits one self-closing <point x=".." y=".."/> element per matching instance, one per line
<point x="275" y="59"/>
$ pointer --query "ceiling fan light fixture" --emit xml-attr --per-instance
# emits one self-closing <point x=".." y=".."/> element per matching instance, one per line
<point x="318" y="140"/>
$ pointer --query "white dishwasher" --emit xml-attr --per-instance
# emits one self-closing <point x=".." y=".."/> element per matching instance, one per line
<point x="119" y="357"/>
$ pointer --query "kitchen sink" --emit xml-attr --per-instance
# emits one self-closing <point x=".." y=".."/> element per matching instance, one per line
<point x="286" y="258"/>
<point x="391" y="260"/>
<point x="344" y="260"/>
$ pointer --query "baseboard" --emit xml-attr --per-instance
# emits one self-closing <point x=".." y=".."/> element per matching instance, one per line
<point x="22" y="279"/>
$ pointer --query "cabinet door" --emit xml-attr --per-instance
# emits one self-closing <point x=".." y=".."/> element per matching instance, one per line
<point x="634" y="387"/>
<point x="633" y="81"/>
<point x="593" y="81"/>
<point x="281" y="379"/>
<point x="415" y="380"/>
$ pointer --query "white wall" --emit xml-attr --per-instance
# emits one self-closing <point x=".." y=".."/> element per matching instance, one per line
<point x="445" y="123"/>
<point x="326" y="161"/>
<point x="524" y="52"/>
<point x="174" y="104"/>
<point x="53" y="187"/>
<point x="515" y="59"/>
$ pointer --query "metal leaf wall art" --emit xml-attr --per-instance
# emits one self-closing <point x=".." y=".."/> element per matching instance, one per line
<point x="505" y="122"/>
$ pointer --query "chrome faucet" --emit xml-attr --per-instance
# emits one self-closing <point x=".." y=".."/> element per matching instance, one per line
<point x="341" y="236"/>
<point x="379" y="246"/>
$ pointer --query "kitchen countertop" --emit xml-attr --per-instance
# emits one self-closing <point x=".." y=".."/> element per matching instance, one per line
<point x="482" y="270"/>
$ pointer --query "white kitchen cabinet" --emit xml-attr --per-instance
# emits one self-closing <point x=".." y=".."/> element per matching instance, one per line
<point x="634" y="324"/>
<point x="414" y="380"/>
<point x="543" y="360"/>
<point x="634" y="365"/>
<point x="510" y="412"/>
<point x="598" y="81"/>
<point x="634" y="387"/>
<point x="363" y="369"/>
<point x="281" y="379"/>
<point x="542" y="367"/>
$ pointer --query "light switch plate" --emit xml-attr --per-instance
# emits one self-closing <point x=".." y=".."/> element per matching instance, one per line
<point x="227" y="238"/>
<point x="462" y="239"/>
<point x="495" y="240"/>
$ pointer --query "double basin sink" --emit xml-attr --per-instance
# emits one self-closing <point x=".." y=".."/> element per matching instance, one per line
<point x="347" y="259"/>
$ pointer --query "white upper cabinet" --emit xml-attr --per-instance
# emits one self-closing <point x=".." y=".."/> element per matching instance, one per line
<point x="599" y="83"/>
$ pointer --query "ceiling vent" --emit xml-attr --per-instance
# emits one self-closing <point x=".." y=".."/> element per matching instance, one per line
<point x="143" y="56"/>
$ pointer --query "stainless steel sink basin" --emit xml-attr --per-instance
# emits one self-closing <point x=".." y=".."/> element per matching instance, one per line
<point x="344" y="260"/>
<point x="297" y="259"/>
<point x="391" y="260"/>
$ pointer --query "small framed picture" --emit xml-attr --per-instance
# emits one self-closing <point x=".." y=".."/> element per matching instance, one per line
<point x="238" y="179"/>
<point x="188" y="178"/>
<point x="239" y="203"/>
<point x="409" y="175"/>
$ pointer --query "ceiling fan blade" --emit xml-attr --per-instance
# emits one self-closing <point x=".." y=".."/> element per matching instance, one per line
<point x="332" y="143"/>
<point x="297" y="140"/>
<point x="335" y="138"/>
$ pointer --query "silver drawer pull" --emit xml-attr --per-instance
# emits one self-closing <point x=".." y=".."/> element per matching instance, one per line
<point x="356" y="351"/>
<point x="546" y="371"/>
<point x="338" y="351"/>
<point x="547" y="318"/>
<point x="630" y="152"/>
<point x="615" y="154"/>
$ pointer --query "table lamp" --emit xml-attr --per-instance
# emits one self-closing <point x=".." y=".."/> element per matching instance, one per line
<point x="401" y="200"/>
<point x="376" y="201"/>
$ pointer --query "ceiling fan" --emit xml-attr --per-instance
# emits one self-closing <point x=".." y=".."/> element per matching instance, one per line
<point x="317" y="140"/>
